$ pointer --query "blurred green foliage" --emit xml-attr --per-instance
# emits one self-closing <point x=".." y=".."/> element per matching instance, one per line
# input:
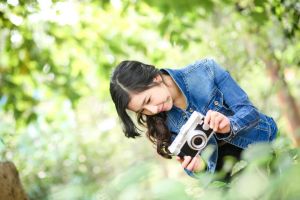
<point x="59" y="126"/>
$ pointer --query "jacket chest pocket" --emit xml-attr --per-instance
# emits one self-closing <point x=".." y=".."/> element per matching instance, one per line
<point x="217" y="103"/>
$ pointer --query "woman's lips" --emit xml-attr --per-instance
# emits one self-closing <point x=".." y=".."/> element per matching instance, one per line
<point x="161" y="108"/>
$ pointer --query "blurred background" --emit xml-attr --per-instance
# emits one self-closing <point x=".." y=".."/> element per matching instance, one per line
<point x="57" y="121"/>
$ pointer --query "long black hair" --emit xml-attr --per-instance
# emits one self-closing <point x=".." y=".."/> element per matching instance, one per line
<point x="132" y="77"/>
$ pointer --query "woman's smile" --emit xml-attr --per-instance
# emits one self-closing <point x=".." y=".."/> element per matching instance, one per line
<point x="164" y="106"/>
<point x="161" y="108"/>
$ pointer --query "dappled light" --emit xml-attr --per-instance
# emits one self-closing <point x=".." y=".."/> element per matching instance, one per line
<point x="59" y="126"/>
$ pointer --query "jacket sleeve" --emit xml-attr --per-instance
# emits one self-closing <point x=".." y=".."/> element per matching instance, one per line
<point x="246" y="114"/>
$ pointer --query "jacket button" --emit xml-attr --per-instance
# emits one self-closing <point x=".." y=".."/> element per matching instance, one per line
<point x="191" y="110"/>
<point x="216" y="103"/>
<point x="234" y="128"/>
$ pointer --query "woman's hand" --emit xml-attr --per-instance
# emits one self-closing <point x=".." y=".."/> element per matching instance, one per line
<point x="217" y="121"/>
<point x="195" y="165"/>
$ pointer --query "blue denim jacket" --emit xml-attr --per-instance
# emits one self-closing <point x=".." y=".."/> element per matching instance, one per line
<point x="207" y="86"/>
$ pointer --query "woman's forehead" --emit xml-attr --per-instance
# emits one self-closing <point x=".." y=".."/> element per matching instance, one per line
<point x="136" y="100"/>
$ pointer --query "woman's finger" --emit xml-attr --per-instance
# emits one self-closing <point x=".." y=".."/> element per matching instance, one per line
<point x="179" y="159"/>
<point x="187" y="160"/>
<point x="207" y="117"/>
<point x="212" y="119"/>
<point x="218" y="119"/>
<point x="193" y="163"/>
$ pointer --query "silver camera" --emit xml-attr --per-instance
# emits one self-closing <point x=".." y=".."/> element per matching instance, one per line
<point x="192" y="137"/>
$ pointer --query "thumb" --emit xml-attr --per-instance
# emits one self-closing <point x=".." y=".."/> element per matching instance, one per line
<point x="223" y="124"/>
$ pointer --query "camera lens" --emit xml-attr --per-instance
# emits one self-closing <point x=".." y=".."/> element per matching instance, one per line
<point x="198" y="141"/>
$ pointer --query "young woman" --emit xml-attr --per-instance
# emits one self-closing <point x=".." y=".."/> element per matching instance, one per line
<point x="163" y="100"/>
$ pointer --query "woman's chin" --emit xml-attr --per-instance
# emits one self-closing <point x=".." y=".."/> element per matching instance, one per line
<point x="168" y="107"/>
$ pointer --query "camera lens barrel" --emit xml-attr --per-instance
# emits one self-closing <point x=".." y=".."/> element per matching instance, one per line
<point x="197" y="140"/>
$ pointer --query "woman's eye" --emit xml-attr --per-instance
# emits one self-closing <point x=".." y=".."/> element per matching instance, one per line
<point x="149" y="100"/>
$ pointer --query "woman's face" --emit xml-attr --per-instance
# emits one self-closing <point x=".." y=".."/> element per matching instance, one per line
<point x="153" y="100"/>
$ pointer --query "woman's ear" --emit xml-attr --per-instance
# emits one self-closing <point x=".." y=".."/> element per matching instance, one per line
<point x="157" y="79"/>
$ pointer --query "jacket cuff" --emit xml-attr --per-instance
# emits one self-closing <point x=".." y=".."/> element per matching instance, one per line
<point x="234" y="127"/>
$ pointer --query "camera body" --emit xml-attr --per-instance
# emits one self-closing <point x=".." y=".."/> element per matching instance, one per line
<point x="192" y="137"/>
